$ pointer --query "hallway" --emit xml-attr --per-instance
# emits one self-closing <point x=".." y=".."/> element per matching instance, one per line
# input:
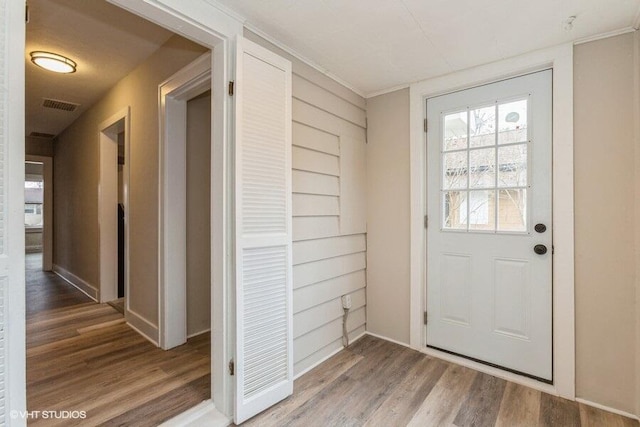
<point x="82" y="356"/>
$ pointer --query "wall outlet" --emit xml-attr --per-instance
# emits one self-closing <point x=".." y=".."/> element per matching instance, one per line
<point x="346" y="301"/>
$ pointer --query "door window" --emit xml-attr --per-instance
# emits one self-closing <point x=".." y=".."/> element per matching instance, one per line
<point x="485" y="163"/>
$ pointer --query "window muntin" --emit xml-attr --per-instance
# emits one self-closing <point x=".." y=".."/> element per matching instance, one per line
<point x="485" y="166"/>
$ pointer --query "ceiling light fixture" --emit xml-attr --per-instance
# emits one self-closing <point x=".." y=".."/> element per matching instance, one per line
<point x="53" y="62"/>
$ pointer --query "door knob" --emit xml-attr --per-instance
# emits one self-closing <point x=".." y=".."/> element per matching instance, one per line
<point x="540" y="249"/>
<point x="540" y="228"/>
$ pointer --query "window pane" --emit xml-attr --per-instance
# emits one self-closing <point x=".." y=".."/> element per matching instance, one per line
<point x="455" y="210"/>
<point x="454" y="170"/>
<point x="481" y="210"/>
<point x="512" y="123"/>
<point x="455" y="131"/>
<point x="513" y="166"/>
<point x="33" y="215"/>
<point x="482" y="126"/>
<point x="482" y="168"/>
<point x="512" y="210"/>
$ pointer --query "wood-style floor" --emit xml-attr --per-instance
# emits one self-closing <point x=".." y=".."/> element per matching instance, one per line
<point x="82" y="356"/>
<point x="377" y="383"/>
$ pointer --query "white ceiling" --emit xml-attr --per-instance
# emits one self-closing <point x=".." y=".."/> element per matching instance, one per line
<point x="106" y="42"/>
<point x="375" y="45"/>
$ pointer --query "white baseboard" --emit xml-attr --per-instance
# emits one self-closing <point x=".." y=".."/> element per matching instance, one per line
<point x="389" y="339"/>
<point x="142" y="326"/>
<point x="328" y="356"/>
<point x="76" y="282"/>
<point x="203" y="414"/>
<point x="195" y="334"/>
<point x="607" y="408"/>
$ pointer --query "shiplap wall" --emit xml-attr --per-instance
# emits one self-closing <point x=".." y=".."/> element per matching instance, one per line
<point x="329" y="218"/>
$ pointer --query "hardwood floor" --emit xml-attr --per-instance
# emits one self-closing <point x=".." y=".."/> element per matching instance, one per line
<point x="378" y="383"/>
<point x="82" y="356"/>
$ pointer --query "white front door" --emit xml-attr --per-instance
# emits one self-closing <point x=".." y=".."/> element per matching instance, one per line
<point x="489" y="236"/>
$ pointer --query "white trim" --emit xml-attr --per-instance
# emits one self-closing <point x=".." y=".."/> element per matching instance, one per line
<point x="249" y="26"/>
<point x="329" y="356"/>
<point x="47" y="227"/>
<point x="108" y="202"/>
<point x="12" y="107"/>
<point x="203" y="414"/>
<point x="387" y="90"/>
<point x="190" y="81"/>
<point x="636" y="20"/>
<point x="636" y="115"/>
<point x="75" y="281"/>
<point x="199" y="21"/>
<point x="559" y="58"/>
<point x="195" y="334"/>
<point x="142" y="326"/>
<point x="382" y="337"/>
<point x="606" y="408"/>
<point x="606" y="35"/>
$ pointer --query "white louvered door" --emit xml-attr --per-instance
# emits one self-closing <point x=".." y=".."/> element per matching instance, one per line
<point x="264" y="339"/>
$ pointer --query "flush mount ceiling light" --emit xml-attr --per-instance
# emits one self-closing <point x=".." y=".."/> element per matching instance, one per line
<point x="53" y="62"/>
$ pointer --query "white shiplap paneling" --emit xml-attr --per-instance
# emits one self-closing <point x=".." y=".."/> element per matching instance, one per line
<point x="305" y="182"/>
<point x="329" y="251"/>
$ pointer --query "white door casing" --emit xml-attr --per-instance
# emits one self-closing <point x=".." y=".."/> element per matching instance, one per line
<point x="108" y="204"/>
<point x="489" y="296"/>
<point x="12" y="284"/>
<point x="206" y="23"/>
<point x="264" y="314"/>
<point x="190" y="81"/>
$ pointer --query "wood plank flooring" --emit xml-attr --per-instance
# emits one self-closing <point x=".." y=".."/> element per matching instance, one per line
<point x="378" y="383"/>
<point x="82" y="356"/>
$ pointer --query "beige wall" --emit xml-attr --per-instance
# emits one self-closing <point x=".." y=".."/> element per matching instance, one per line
<point x="604" y="222"/>
<point x="199" y="214"/>
<point x="388" y="215"/>
<point x="607" y="227"/>
<point x="76" y="156"/>
<point x="38" y="146"/>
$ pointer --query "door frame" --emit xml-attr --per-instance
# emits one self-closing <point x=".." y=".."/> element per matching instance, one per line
<point x="217" y="29"/>
<point x="47" y="223"/>
<point x="107" y="203"/>
<point x="175" y="92"/>
<point x="560" y="59"/>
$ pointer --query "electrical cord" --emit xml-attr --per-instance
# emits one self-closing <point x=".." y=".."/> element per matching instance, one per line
<point x="345" y="335"/>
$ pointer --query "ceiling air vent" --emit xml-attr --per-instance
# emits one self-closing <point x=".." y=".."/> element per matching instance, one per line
<point x="59" y="105"/>
<point x="41" y="135"/>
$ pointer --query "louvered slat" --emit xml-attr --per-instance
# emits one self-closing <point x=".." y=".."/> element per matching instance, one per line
<point x="264" y="344"/>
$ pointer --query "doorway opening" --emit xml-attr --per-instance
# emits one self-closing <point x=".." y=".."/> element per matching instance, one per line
<point x="39" y="210"/>
<point x="185" y="203"/>
<point x="113" y="204"/>
<point x="489" y="272"/>
<point x="106" y="228"/>
<point x="198" y="221"/>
